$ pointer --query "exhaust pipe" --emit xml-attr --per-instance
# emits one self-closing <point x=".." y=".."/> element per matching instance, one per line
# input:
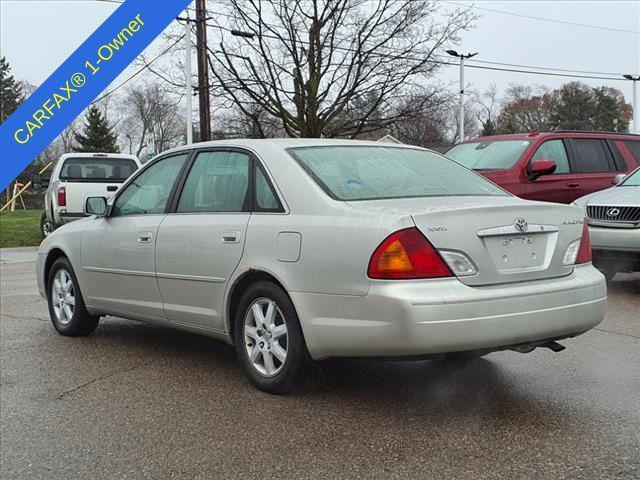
<point x="526" y="348"/>
<point x="554" y="346"/>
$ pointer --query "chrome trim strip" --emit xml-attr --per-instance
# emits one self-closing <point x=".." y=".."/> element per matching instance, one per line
<point x="511" y="230"/>
<point x="194" y="278"/>
<point x="117" y="271"/>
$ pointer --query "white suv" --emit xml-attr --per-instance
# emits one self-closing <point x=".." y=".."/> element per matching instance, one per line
<point x="78" y="176"/>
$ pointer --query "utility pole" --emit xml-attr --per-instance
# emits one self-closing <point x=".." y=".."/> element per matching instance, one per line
<point x="203" y="71"/>
<point x="635" y="128"/>
<point x="187" y="73"/>
<point x="461" y="56"/>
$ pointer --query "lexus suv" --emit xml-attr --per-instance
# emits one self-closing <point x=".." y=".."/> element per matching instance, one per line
<point x="556" y="167"/>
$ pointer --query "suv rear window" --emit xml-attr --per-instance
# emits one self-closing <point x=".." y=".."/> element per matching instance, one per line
<point x="83" y="169"/>
<point x="373" y="173"/>
<point x="490" y="155"/>
<point x="590" y="155"/>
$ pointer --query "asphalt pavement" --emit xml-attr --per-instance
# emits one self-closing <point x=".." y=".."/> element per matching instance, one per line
<point x="137" y="401"/>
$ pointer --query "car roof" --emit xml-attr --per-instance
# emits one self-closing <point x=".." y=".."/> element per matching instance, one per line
<point x="262" y="144"/>
<point x="557" y="134"/>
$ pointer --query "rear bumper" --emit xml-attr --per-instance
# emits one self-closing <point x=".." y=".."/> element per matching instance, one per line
<point x="70" y="217"/>
<point x="408" y="318"/>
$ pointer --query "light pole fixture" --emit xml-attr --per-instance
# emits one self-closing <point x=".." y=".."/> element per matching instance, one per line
<point x="240" y="33"/>
<point x="461" y="56"/>
<point x="635" y="128"/>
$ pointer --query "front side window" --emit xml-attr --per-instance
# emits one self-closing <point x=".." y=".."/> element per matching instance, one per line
<point x="372" y="172"/>
<point x="490" y="155"/>
<point x="85" y="169"/>
<point x="149" y="192"/>
<point x="589" y="155"/>
<point x="553" y="150"/>
<point x="218" y="182"/>
<point x="634" y="148"/>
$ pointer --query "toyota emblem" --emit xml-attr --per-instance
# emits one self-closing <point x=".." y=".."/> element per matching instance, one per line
<point x="613" y="212"/>
<point x="521" y="224"/>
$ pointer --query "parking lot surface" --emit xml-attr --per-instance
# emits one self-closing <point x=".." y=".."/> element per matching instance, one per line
<point x="137" y="401"/>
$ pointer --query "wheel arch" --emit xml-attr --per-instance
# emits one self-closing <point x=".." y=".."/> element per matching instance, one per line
<point x="52" y="256"/>
<point x="241" y="283"/>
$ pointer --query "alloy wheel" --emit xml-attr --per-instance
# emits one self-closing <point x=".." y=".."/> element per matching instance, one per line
<point x="265" y="337"/>
<point x="63" y="296"/>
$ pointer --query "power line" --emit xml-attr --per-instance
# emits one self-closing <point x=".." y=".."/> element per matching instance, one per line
<point x="139" y="71"/>
<point x="481" y="67"/>
<point x="544" y="19"/>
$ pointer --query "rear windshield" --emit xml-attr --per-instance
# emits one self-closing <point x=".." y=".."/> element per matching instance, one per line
<point x="496" y="155"/>
<point x="373" y="173"/>
<point x="97" y="169"/>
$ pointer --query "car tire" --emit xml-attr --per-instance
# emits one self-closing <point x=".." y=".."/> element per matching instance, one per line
<point x="268" y="339"/>
<point x="66" y="305"/>
<point x="46" y="226"/>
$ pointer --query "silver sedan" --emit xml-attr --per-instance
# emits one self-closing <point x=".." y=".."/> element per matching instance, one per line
<point x="300" y="249"/>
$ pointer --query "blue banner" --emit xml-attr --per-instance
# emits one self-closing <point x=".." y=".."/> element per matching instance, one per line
<point x="80" y="79"/>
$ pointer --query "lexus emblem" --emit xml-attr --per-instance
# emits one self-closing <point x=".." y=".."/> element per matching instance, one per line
<point x="613" y="212"/>
<point x="521" y="224"/>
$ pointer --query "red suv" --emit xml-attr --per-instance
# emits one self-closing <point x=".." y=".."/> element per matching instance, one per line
<point x="555" y="167"/>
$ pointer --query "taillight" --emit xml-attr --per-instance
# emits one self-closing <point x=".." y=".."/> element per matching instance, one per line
<point x="584" y="253"/>
<point x="62" y="197"/>
<point x="407" y="254"/>
<point x="579" y="251"/>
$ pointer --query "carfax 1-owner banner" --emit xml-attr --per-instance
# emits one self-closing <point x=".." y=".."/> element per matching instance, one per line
<point x="80" y="79"/>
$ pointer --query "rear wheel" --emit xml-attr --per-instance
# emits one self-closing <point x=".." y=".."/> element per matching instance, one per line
<point x="66" y="305"/>
<point x="46" y="226"/>
<point x="268" y="338"/>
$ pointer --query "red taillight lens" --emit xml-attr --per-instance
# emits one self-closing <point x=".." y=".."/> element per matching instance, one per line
<point x="62" y="197"/>
<point x="584" y="253"/>
<point x="407" y="254"/>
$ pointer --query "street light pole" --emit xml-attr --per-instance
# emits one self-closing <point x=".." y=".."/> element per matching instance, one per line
<point x="461" y="56"/>
<point x="635" y="128"/>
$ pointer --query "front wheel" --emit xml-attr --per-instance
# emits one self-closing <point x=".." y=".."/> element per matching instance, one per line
<point x="66" y="305"/>
<point x="268" y="338"/>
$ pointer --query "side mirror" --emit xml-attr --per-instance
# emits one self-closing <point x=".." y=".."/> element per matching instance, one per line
<point x="96" y="206"/>
<point x="38" y="182"/>
<point x="618" y="178"/>
<point x="541" y="167"/>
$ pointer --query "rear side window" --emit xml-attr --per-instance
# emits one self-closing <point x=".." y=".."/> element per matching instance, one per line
<point x="97" y="169"/>
<point x="372" y="173"/>
<point x="553" y="150"/>
<point x="266" y="199"/>
<point x="218" y="182"/>
<point x="590" y="156"/>
<point x="634" y="148"/>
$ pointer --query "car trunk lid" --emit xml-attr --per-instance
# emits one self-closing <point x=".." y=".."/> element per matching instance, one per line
<point x="507" y="239"/>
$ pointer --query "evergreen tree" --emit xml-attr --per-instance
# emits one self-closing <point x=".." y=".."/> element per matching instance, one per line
<point x="11" y="94"/>
<point x="97" y="135"/>
<point x="488" y="128"/>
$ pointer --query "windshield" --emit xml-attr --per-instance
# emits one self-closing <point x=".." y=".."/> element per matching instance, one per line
<point x="372" y="173"/>
<point x="632" y="180"/>
<point x="496" y="155"/>
<point x="83" y="169"/>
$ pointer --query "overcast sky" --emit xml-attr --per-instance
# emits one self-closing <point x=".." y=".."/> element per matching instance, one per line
<point x="36" y="36"/>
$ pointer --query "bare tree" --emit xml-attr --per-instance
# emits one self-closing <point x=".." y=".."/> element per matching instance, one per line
<point x="429" y="127"/>
<point x="311" y="64"/>
<point x="151" y="113"/>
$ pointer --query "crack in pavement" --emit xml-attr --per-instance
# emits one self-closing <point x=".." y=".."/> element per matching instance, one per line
<point x="99" y="379"/>
<point x="617" y="333"/>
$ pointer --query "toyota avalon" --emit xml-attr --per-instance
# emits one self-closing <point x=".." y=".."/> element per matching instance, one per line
<point x="296" y="250"/>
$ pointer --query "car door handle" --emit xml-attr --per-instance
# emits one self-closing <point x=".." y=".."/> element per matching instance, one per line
<point x="230" y="237"/>
<point x="111" y="188"/>
<point x="144" y="237"/>
<point x="573" y="185"/>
